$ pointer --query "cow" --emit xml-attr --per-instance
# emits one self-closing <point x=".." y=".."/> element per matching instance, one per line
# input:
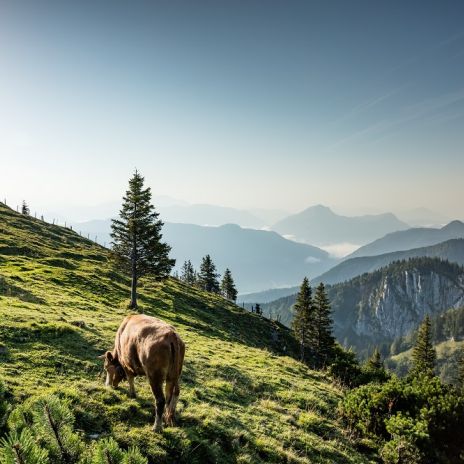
<point x="148" y="346"/>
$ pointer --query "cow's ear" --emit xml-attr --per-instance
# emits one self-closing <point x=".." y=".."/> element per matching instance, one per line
<point x="108" y="355"/>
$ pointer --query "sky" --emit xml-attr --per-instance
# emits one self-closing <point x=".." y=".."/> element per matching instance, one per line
<point x="357" y="105"/>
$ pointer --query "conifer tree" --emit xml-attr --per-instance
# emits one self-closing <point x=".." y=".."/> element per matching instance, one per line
<point x="461" y="371"/>
<point x="136" y="237"/>
<point x="228" y="288"/>
<point x="375" y="361"/>
<point x="208" y="277"/>
<point x="25" y="209"/>
<point x="21" y="448"/>
<point x="188" y="273"/>
<point x="423" y="354"/>
<point x="322" y="341"/>
<point x="107" y="451"/>
<point x="303" y="317"/>
<point x="53" y="424"/>
<point x="5" y="406"/>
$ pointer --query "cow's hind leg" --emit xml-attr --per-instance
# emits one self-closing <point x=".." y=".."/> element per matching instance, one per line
<point x="172" y="395"/>
<point x="157" y="389"/>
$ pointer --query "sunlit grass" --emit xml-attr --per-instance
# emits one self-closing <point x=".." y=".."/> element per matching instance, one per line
<point x="243" y="399"/>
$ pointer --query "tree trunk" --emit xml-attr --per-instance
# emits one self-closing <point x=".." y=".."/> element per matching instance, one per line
<point x="133" y="302"/>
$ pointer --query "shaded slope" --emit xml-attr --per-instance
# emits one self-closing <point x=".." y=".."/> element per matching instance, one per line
<point x="242" y="399"/>
<point x="409" y="239"/>
<point x="451" y="250"/>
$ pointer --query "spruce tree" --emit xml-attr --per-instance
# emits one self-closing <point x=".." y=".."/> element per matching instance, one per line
<point x="303" y="317"/>
<point x="136" y="237"/>
<point x="208" y="277"/>
<point x="188" y="273"/>
<point x="228" y="288"/>
<point x="423" y="354"/>
<point x="25" y="209"/>
<point x="322" y="341"/>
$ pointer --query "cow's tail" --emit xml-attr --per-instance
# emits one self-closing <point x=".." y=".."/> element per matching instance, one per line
<point x="174" y="355"/>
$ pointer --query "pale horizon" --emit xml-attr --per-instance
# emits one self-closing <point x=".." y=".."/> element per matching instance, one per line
<point x="289" y="106"/>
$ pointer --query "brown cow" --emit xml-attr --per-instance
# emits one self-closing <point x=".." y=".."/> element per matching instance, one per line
<point x="147" y="346"/>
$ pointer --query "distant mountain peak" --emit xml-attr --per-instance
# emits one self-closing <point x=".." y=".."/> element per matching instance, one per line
<point x="455" y="225"/>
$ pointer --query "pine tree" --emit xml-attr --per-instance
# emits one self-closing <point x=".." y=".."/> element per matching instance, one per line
<point x="303" y="317"/>
<point x="5" y="406"/>
<point x="322" y="341"/>
<point x="375" y="361"/>
<point x="53" y="424"/>
<point x="136" y="237"/>
<point x="208" y="277"/>
<point x="188" y="273"/>
<point x="22" y="449"/>
<point x="107" y="451"/>
<point x="461" y="370"/>
<point x="423" y="354"/>
<point x="228" y="288"/>
<point x="134" y="456"/>
<point x="25" y="209"/>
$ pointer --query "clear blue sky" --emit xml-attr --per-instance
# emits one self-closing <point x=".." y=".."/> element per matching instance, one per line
<point x="353" y="104"/>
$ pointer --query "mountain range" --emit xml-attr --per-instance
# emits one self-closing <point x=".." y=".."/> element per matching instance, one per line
<point x="411" y="238"/>
<point x="320" y="226"/>
<point x="451" y="250"/>
<point x="257" y="258"/>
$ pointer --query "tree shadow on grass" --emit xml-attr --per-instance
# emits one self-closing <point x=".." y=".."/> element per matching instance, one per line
<point x="7" y="288"/>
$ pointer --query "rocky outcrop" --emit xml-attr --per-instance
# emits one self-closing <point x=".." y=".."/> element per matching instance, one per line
<point x="393" y="301"/>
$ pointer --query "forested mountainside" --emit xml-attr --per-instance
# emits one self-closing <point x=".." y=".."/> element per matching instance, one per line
<point x="448" y="338"/>
<point x="243" y="398"/>
<point x="375" y="308"/>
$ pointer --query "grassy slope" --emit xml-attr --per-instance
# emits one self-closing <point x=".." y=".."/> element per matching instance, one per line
<point x="241" y="401"/>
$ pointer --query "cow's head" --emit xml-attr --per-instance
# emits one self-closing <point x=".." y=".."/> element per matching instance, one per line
<point x="114" y="371"/>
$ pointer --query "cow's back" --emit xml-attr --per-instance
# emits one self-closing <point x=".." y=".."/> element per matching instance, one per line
<point x="144" y="345"/>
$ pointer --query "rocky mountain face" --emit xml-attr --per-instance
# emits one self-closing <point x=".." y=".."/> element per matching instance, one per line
<point x="375" y="308"/>
<point x="399" y="303"/>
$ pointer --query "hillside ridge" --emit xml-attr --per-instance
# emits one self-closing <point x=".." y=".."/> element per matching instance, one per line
<point x="243" y="399"/>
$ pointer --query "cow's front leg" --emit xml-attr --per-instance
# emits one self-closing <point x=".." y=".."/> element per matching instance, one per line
<point x="156" y="387"/>
<point x="132" y="393"/>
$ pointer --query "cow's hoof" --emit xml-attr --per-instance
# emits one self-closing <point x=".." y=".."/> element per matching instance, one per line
<point x="158" y="428"/>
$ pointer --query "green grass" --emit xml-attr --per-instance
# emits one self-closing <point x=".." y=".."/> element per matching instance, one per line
<point x="243" y="399"/>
